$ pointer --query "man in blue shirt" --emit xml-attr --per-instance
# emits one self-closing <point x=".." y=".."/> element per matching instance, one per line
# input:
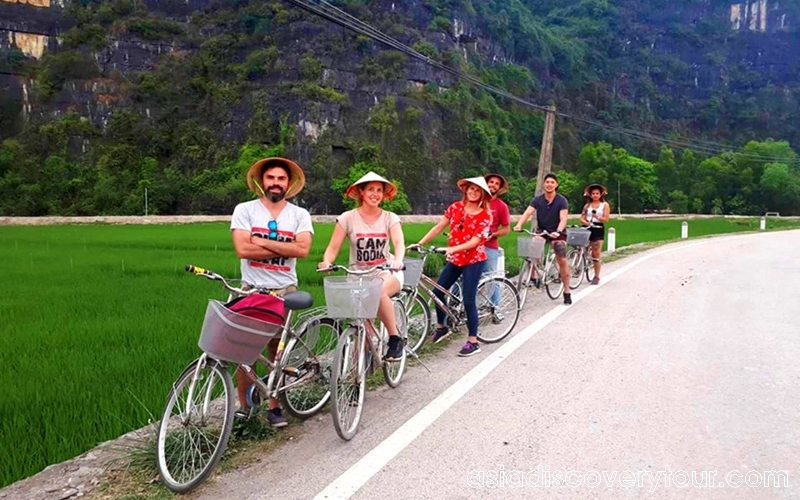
<point x="551" y="211"/>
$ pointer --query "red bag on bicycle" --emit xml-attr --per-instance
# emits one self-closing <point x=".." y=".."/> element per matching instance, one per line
<point x="263" y="307"/>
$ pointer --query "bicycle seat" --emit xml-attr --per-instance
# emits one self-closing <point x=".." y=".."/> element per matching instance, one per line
<point x="298" y="300"/>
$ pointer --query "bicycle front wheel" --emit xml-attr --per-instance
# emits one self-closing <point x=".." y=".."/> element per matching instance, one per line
<point x="348" y="383"/>
<point x="305" y="385"/>
<point x="576" y="267"/>
<point x="552" y="277"/>
<point x="498" y="309"/>
<point x="419" y="322"/>
<point x="196" y="425"/>
<point x="523" y="280"/>
<point x="393" y="370"/>
<point x="588" y="265"/>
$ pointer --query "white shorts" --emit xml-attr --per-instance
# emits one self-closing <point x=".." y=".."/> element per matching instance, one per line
<point x="399" y="275"/>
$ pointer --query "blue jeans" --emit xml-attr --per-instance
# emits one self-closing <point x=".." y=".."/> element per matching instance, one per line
<point x="492" y="257"/>
<point x="470" y="276"/>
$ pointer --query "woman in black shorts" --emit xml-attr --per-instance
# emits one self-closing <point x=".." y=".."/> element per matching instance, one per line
<point x="596" y="213"/>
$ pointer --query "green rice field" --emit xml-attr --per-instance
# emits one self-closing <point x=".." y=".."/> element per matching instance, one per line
<point x="98" y="320"/>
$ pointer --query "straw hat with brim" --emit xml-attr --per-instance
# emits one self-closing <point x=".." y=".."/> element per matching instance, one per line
<point x="389" y="189"/>
<point x="463" y="184"/>
<point x="297" y="179"/>
<point x="590" y="187"/>
<point x="503" y="183"/>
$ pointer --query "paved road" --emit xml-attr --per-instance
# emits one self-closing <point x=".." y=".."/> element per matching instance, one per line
<point x="684" y="362"/>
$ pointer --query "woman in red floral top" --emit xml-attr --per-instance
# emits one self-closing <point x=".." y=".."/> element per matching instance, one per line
<point x="469" y="221"/>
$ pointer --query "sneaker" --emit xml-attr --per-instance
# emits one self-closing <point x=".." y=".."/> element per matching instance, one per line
<point x="469" y="349"/>
<point x="276" y="419"/>
<point x="497" y="318"/>
<point x="395" y="352"/>
<point x="595" y="281"/>
<point x="440" y="334"/>
<point x="567" y="298"/>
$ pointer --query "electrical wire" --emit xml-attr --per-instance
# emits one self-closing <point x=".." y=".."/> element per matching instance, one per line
<point x="332" y="13"/>
<point x="326" y="10"/>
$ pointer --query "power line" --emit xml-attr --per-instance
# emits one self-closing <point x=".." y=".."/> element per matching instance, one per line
<point x="333" y="14"/>
<point x="341" y="18"/>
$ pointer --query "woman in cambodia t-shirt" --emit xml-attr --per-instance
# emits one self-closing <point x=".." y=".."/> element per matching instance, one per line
<point x="469" y="220"/>
<point x="370" y="229"/>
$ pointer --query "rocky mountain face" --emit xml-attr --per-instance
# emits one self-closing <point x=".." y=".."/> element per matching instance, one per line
<point x="718" y="70"/>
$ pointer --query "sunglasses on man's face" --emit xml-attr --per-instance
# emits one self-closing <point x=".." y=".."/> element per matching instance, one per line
<point x="273" y="230"/>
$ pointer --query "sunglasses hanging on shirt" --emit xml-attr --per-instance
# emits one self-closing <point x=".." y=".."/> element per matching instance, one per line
<point x="273" y="230"/>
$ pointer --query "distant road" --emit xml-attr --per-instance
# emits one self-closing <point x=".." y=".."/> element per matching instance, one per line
<point x="683" y="360"/>
<point x="188" y="219"/>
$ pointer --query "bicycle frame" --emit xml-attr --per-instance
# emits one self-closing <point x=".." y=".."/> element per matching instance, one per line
<point x="269" y="390"/>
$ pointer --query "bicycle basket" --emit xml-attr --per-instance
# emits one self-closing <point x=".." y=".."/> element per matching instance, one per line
<point x="578" y="237"/>
<point x="413" y="272"/>
<point x="230" y="336"/>
<point x="353" y="297"/>
<point x="529" y="247"/>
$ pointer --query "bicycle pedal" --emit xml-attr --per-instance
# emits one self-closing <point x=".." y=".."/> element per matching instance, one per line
<point x="291" y="370"/>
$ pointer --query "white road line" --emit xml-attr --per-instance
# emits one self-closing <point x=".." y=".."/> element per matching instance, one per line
<point x="356" y="476"/>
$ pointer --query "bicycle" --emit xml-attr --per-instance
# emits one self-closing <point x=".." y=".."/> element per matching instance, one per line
<point x="502" y="316"/>
<point x="361" y="347"/>
<point x="581" y="263"/>
<point x="192" y="440"/>
<point x="538" y="256"/>
<point x="418" y="310"/>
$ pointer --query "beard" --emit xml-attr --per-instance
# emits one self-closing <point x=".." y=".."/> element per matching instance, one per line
<point x="275" y="197"/>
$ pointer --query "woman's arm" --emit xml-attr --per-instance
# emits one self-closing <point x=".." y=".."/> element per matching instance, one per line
<point x="337" y="238"/>
<point x="435" y="231"/>
<point x="585" y="210"/>
<point x="399" y="244"/>
<point x="607" y="214"/>
<point x="472" y="243"/>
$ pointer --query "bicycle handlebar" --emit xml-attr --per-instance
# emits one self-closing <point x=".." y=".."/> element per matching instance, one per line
<point x="359" y="272"/>
<point x="426" y="251"/>
<point x="207" y="273"/>
<point x="534" y="233"/>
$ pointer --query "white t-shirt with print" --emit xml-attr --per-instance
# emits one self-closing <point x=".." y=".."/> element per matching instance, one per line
<point x="369" y="243"/>
<point x="253" y="216"/>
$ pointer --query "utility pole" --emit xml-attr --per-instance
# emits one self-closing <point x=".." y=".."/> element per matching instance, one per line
<point x="546" y="153"/>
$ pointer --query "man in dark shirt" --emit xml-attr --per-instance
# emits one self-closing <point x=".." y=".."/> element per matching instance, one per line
<point x="551" y="211"/>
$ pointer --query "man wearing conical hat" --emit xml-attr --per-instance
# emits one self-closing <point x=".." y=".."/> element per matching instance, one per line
<point x="269" y="235"/>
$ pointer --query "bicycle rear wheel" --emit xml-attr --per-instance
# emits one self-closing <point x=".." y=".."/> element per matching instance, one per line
<point x="496" y="320"/>
<point x="419" y="322"/>
<point x="348" y="383"/>
<point x="576" y="267"/>
<point x="393" y="370"/>
<point x="552" y="279"/>
<point x="305" y="384"/>
<point x="195" y="428"/>
<point x="523" y="280"/>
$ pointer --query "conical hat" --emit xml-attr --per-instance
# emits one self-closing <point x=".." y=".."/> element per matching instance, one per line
<point x="588" y="190"/>
<point x="503" y="183"/>
<point x="389" y="189"/>
<point x="296" y="181"/>
<point x="478" y="181"/>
